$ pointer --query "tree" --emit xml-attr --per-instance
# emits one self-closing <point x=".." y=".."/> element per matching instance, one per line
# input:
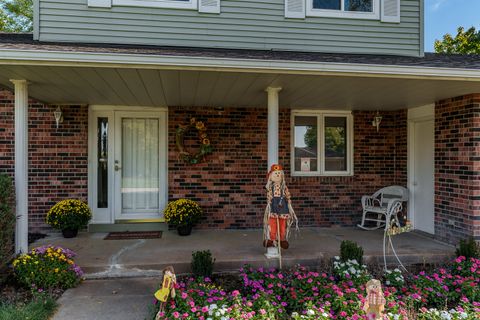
<point x="334" y="139"/>
<point x="465" y="42"/>
<point x="16" y="16"/>
<point x="310" y="137"/>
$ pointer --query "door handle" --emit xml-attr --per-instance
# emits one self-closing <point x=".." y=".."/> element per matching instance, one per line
<point x="117" y="166"/>
<point x="415" y="183"/>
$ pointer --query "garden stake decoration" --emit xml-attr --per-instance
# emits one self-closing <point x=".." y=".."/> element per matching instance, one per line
<point x="375" y="302"/>
<point x="167" y="289"/>
<point x="392" y="227"/>
<point x="279" y="214"/>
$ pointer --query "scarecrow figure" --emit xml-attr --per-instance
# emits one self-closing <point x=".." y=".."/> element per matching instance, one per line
<point x="167" y="290"/>
<point x="279" y="215"/>
<point x="375" y="302"/>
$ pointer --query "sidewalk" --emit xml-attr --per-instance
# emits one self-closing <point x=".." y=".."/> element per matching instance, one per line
<point x="109" y="299"/>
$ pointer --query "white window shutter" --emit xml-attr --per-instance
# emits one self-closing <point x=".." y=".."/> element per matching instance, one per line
<point x="100" y="3"/>
<point x="391" y="11"/>
<point x="209" y="6"/>
<point x="295" y="9"/>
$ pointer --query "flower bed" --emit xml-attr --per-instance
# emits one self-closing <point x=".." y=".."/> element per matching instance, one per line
<point x="47" y="267"/>
<point x="451" y="292"/>
<point x="35" y="281"/>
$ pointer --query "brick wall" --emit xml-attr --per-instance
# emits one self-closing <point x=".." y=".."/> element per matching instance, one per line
<point x="379" y="160"/>
<point x="457" y="168"/>
<point x="7" y="151"/>
<point x="230" y="186"/>
<point x="57" y="157"/>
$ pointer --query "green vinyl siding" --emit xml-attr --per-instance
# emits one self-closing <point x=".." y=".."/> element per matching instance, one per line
<point x="244" y="24"/>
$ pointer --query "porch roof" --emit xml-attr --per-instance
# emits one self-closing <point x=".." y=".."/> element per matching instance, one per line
<point x="167" y="76"/>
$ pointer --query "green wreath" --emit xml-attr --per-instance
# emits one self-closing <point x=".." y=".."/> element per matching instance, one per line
<point x="205" y="146"/>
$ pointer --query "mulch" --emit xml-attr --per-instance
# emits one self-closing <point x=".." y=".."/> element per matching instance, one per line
<point x="133" y="235"/>
<point x="34" y="236"/>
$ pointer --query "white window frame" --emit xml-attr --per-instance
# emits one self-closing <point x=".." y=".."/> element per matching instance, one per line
<point x="330" y="13"/>
<point x="321" y="114"/>
<point x="171" y="4"/>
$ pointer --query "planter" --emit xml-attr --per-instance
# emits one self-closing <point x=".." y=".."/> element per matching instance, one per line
<point x="184" y="230"/>
<point x="69" y="233"/>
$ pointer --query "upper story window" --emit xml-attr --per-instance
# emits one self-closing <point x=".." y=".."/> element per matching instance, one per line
<point x="356" y="9"/>
<point x="175" y="4"/>
<point x="322" y="143"/>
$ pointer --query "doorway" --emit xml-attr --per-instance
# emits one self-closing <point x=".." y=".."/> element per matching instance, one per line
<point x="421" y="172"/>
<point x="127" y="164"/>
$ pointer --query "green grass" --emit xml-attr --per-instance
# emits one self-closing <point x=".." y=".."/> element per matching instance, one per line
<point x="39" y="309"/>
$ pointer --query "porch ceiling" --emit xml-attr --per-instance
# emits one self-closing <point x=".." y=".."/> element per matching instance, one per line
<point x="168" y="87"/>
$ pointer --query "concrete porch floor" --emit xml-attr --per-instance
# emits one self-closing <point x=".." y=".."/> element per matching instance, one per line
<point x="233" y="248"/>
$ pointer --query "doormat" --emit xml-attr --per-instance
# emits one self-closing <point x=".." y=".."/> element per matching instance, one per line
<point x="133" y="235"/>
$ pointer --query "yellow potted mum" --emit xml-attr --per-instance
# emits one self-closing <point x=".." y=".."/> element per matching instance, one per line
<point x="69" y="216"/>
<point x="182" y="214"/>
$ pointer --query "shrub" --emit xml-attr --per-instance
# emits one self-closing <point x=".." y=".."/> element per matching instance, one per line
<point x="312" y="312"/>
<point x="69" y="214"/>
<point x="7" y="220"/>
<point x="350" y="250"/>
<point x="350" y="270"/>
<point x="468" y="249"/>
<point x="202" y="263"/>
<point x="47" y="267"/>
<point x="182" y="212"/>
<point x="394" y="278"/>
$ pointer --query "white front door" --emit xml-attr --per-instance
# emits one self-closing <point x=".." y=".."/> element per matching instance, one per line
<point x="139" y="162"/>
<point x="422" y="178"/>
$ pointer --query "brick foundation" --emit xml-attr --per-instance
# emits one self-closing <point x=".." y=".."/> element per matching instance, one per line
<point x="457" y="168"/>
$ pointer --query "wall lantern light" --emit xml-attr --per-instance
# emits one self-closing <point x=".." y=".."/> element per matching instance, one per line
<point x="377" y="120"/>
<point x="58" y="116"/>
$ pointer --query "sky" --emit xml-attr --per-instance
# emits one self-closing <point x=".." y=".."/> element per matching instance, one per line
<point x="445" y="16"/>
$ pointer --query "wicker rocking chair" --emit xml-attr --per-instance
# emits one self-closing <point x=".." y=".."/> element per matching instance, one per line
<point x="376" y="206"/>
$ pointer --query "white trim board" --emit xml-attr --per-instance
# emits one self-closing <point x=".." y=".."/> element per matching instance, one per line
<point x="422" y="112"/>
<point x="123" y="60"/>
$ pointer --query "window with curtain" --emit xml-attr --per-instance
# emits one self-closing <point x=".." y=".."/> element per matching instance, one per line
<point x="140" y="166"/>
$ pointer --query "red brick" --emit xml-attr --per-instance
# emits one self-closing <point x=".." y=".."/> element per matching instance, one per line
<point x="457" y="163"/>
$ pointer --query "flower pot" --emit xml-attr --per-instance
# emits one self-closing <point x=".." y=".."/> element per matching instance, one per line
<point x="184" y="230"/>
<point x="69" y="233"/>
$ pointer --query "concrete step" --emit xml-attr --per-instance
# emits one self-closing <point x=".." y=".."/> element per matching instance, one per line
<point x="312" y="247"/>
<point x="133" y="270"/>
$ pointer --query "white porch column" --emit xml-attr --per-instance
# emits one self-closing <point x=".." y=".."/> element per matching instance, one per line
<point x="272" y="125"/>
<point x="21" y="165"/>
